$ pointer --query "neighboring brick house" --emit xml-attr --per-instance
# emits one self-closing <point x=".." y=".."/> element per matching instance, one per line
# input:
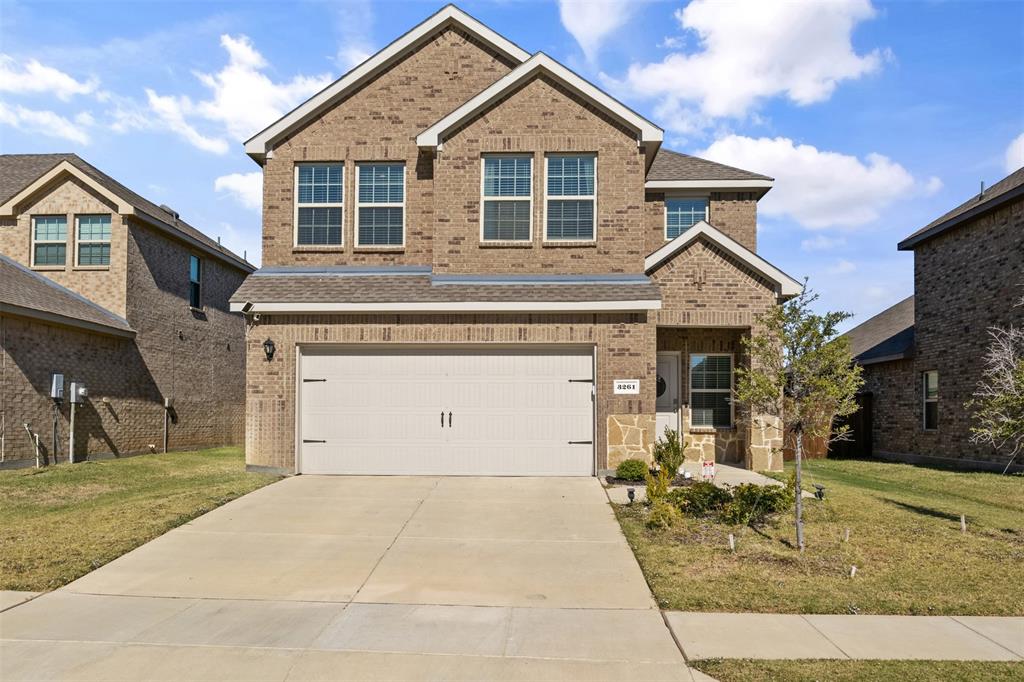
<point x="100" y="285"/>
<point x="476" y="262"/>
<point x="922" y="358"/>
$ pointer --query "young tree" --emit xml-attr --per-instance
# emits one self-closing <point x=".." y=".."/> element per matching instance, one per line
<point x="998" y="400"/>
<point x="802" y="375"/>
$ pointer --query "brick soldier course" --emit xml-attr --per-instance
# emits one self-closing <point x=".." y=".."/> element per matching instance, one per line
<point x="709" y="291"/>
<point x="160" y="347"/>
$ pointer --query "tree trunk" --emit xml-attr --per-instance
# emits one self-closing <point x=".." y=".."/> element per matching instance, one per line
<point x="799" y="490"/>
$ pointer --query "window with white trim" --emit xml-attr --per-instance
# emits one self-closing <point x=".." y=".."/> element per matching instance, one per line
<point x="92" y="240"/>
<point x="507" y="193"/>
<point x="930" y="400"/>
<point x="49" y="240"/>
<point x="195" y="282"/>
<point x="319" y="196"/>
<point x="683" y="213"/>
<point x="711" y="390"/>
<point x="380" y="204"/>
<point x="571" y="197"/>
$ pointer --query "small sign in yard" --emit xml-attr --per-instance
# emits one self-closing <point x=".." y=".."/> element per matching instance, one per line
<point x="627" y="386"/>
<point x="707" y="470"/>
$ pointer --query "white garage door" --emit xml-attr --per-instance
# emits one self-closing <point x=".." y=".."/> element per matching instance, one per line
<point x="446" y="411"/>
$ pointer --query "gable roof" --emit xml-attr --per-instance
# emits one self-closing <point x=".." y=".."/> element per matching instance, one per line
<point x="29" y="294"/>
<point x="21" y="175"/>
<point x="1008" y="189"/>
<point x="647" y="132"/>
<point x="262" y="142"/>
<point x="675" y="170"/>
<point x="784" y="284"/>
<point x="889" y="335"/>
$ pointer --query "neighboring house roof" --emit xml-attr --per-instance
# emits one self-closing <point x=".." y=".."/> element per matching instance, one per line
<point x="21" y="175"/>
<point x="262" y="142"/>
<point x="784" y="284"/>
<point x="540" y="63"/>
<point x="889" y="335"/>
<point x="1008" y="189"/>
<point x="29" y="294"/>
<point x="348" y="289"/>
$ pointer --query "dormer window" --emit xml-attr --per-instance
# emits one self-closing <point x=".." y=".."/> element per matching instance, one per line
<point x="683" y="213"/>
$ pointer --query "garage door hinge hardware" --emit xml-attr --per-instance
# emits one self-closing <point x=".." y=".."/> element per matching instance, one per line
<point x="310" y="440"/>
<point x="310" y="381"/>
<point x="581" y="381"/>
<point x="581" y="442"/>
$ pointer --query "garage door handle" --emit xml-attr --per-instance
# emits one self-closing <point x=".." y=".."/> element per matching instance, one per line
<point x="449" y="420"/>
<point x="442" y="419"/>
<point x="581" y="442"/>
<point x="308" y="440"/>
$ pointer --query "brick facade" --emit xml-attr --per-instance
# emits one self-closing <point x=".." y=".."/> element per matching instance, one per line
<point x="195" y="358"/>
<point x="965" y="281"/>
<point x="732" y="213"/>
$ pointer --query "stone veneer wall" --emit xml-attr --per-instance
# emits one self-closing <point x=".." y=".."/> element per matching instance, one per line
<point x="630" y="436"/>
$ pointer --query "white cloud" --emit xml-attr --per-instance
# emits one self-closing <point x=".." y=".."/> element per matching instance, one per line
<point x="842" y="267"/>
<point x="33" y="77"/>
<point x="46" y="123"/>
<point x="752" y="51"/>
<point x="355" y="22"/>
<point x="816" y="188"/>
<point x="1014" y="154"/>
<point x="245" y="188"/>
<point x="244" y="100"/>
<point x="591" y="21"/>
<point x="820" y="242"/>
<point x="671" y="42"/>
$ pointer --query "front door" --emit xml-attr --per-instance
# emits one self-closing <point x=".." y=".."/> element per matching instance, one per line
<point x="667" y="387"/>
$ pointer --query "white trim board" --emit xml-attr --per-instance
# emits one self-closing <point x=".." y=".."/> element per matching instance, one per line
<point x="786" y="285"/>
<point x="261" y="144"/>
<point x="66" y="167"/>
<point x="647" y="131"/>
<point x="709" y="184"/>
<point x="450" y="306"/>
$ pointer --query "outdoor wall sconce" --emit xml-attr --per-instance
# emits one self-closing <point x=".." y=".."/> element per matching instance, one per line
<point x="269" y="349"/>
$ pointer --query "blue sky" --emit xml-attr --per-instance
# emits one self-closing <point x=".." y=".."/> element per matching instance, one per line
<point x="873" y="117"/>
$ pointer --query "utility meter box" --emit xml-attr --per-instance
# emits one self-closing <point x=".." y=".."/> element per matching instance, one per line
<point x="78" y="392"/>
<point x="57" y="386"/>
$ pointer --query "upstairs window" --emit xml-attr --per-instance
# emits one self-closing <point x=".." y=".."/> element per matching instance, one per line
<point x="319" y="195"/>
<point x="682" y="214"/>
<point x="93" y="240"/>
<point x="711" y="390"/>
<point x="49" y="240"/>
<point x="930" y="400"/>
<point x="195" y="282"/>
<point x="380" y="204"/>
<point x="571" y="197"/>
<point x="507" y="198"/>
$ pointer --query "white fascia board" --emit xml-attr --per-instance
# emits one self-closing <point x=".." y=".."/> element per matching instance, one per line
<point x="451" y="307"/>
<point x="787" y="286"/>
<point x="648" y="132"/>
<point x="709" y="184"/>
<point x="65" y="167"/>
<point x="259" y="145"/>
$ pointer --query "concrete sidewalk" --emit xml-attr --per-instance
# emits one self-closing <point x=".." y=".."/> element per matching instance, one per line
<point x="784" y="636"/>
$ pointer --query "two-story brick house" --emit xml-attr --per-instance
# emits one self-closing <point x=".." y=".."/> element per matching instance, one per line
<point x="923" y="357"/>
<point x="105" y="288"/>
<point x="476" y="262"/>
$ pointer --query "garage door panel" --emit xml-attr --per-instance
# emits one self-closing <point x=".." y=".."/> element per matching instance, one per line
<point x="513" y="411"/>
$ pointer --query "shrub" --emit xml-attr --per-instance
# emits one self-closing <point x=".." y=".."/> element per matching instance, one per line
<point x="668" y="452"/>
<point x="753" y="504"/>
<point x="631" y="470"/>
<point x="657" y="486"/>
<point x="700" y="498"/>
<point x="663" y="515"/>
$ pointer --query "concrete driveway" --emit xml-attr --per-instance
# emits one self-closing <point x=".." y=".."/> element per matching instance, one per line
<point x="363" y="578"/>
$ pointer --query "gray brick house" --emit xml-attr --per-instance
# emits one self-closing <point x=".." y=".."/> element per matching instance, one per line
<point x="103" y="287"/>
<point x="922" y="358"/>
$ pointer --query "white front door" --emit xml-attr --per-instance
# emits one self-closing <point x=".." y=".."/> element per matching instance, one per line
<point x="446" y="410"/>
<point x="667" y="391"/>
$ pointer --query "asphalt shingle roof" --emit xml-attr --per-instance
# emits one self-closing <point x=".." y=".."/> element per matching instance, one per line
<point x="889" y="335"/>
<point x="670" y="165"/>
<point x="17" y="171"/>
<point x="28" y="293"/>
<point x="329" y="287"/>
<point x="1006" y="189"/>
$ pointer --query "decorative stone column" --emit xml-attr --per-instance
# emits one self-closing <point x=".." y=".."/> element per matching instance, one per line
<point x="764" y="443"/>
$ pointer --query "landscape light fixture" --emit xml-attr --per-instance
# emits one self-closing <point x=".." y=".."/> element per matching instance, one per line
<point x="819" y="491"/>
<point x="269" y="349"/>
<point x="631" y="494"/>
